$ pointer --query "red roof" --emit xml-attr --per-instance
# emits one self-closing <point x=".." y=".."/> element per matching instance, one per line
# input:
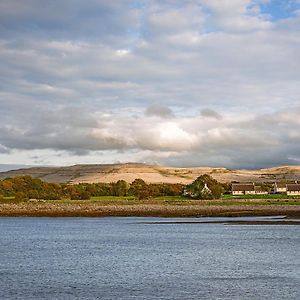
<point x="259" y="189"/>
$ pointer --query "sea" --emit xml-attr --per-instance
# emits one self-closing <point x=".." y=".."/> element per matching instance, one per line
<point x="147" y="258"/>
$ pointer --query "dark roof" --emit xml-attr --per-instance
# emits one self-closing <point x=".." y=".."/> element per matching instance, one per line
<point x="242" y="187"/>
<point x="295" y="187"/>
<point x="280" y="185"/>
<point x="259" y="189"/>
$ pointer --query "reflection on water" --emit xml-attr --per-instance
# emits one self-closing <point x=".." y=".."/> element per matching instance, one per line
<point x="128" y="258"/>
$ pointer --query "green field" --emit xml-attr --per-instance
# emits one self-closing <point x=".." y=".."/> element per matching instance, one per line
<point x="227" y="200"/>
<point x="172" y="201"/>
<point x="269" y="196"/>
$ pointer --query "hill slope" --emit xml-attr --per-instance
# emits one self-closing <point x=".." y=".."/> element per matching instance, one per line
<point x="151" y="173"/>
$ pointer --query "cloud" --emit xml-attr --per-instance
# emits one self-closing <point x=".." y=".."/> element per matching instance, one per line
<point x="3" y="149"/>
<point x="159" y="111"/>
<point x="209" y="113"/>
<point x="226" y="141"/>
<point x="121" y="79"/>
<point x="92" y="20"/>
<point x="237" y="15"/>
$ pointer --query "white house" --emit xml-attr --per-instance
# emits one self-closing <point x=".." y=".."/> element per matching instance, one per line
<point x="243" y="189"/>
<point x="206" y="189"/>
<point x="293" y="189"/>
<point x="188" y="193"/>
<point x="279" y="187"/>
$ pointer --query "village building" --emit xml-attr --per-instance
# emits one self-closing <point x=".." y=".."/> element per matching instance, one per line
<point x="260" y="191"/>
<point x="243" y="189"/>
<point x="293" y="189"/>
<point x="187" y="193"/>
<point x="279" y="187"/>
<point x="206" y="189"/>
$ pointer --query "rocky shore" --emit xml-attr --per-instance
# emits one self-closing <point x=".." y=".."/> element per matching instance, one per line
<point x="144" y="210"/>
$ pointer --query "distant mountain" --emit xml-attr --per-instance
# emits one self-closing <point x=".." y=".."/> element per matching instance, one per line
<point x="151" y="173"/>
<point x="8" y="167"/>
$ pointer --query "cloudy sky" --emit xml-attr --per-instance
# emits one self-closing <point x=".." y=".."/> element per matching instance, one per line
<point x="180" y="83"/>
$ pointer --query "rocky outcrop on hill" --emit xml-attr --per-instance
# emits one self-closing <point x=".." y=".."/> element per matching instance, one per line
<point x="151" y="173"/>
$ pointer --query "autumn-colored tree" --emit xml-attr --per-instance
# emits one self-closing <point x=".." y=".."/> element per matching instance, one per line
<point x="154" y="190"/>
<point x="140" y="189"/>
<point x="20" y="196"/>
<point x="91" y="189"/>
<point x="81" y="195"/>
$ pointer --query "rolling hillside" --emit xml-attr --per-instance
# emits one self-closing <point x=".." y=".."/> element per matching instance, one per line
<point x="151" y="173"/>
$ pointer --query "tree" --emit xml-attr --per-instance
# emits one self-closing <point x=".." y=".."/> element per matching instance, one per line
<point x="205" y="187"/>
<point x="80" y="195"/>
<point x="217" y="191"/>
<point x="120" y="188"/>
<point x="20" y="196"/>
<point x="140" y="189"/>
<point x="85" y="195"/>
<point x="227" y="187"/>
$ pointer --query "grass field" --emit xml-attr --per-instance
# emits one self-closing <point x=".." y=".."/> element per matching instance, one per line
<point x="269" y="196"/>
<point x="167" y="201"/>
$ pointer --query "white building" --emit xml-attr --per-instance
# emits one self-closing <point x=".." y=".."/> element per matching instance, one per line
<point x="279" y="187"/>
<point x="293" y="189"/>
<point x="243" y="189"/>
<point x="206" y="189"/>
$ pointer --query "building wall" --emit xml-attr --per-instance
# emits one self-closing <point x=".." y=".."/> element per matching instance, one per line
<point x="280" y="190"/>
<point x="293" y="193"/>
<point x="237" y="193"/>
<point x="250" y="192"/>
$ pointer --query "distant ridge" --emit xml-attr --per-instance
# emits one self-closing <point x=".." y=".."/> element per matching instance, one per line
<point x="8" y="167"/>
<point x="151" y="173"/>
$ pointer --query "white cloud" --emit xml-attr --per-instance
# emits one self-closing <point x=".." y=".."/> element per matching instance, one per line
<point x="237" y="16"/>
<point x="129" y="80"/>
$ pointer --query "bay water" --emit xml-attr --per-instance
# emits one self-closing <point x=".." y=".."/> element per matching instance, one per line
<point x="141" y="258"/>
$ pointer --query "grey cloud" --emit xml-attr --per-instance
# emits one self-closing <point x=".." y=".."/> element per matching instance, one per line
<point x="234" y="159"/>
<point x="210" y="113"/>
<point x="3" y="149"/>
<point x="225" y="141"/>
<point x="159" y="111"/>
<point x="170" y="19"/>
<point x="96" y="19"/>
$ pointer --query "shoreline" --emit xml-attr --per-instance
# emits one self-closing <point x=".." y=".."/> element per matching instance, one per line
<point x="26" y="209"/>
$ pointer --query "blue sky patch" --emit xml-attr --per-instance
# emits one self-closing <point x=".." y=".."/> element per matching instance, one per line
<point x="280" y="9"/>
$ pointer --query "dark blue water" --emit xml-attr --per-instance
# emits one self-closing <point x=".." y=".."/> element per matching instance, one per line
<point x="119" y="258"/>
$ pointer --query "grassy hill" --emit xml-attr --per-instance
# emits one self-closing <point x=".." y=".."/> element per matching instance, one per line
<point x="151" y="173"/>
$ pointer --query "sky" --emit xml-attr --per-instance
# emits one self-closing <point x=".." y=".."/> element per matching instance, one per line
<point x="172" y="82"/>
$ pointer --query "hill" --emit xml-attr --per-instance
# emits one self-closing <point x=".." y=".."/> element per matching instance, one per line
<point x="151" y="173"/>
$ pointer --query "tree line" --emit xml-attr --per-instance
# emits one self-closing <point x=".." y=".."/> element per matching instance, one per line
<point x="26" y="187"/>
